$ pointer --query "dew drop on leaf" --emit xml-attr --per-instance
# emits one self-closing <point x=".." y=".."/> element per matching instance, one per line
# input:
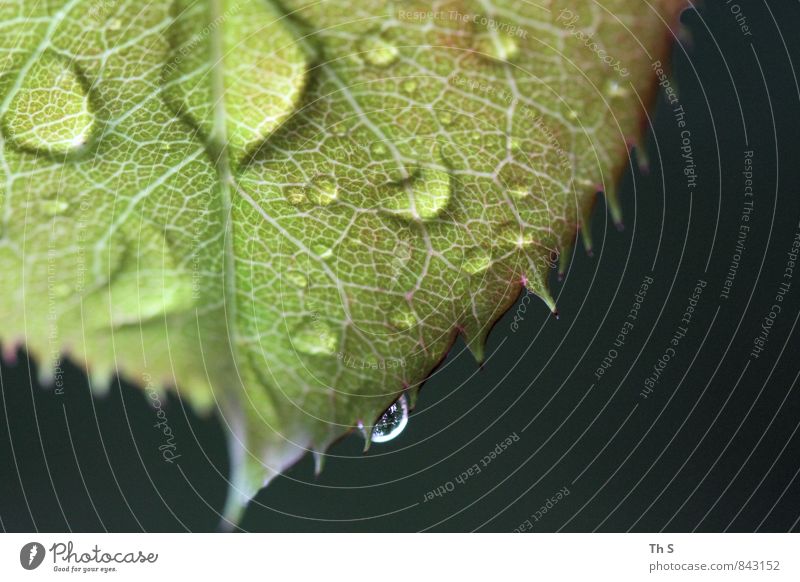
<point x="403" y="318"/>
<point x="322" y="251"/>
<point x="409" y="86"/>
<point x="377" y="51"/>
<point x="297" y="279"/>
<point x="315" y="338"/>
<point x="392" y="422"/>
<point x="54" y="207"/>
<point x="323" y="190"/>
<point x="476" y="261"/>
<point x="519" y="192"/>
<point x="296" y="195"/>
<point x="498" y="47"/>
<point x="423" y="196"/>
<point x="50" y="111"/>
<point x="377" y="149"/>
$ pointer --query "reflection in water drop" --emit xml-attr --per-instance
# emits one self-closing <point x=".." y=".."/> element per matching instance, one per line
<point x="392" y="422"/>
<point x="50" y="111"/>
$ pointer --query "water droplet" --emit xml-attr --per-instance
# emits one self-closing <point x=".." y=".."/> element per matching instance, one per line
<point x="315" y="338"/>
<point x="323" y="190"/>
<point x="51" y="110"/>
<point x="297" y="279"/>
<point x="54" y="207"/>
<point x="392" y="422"/>
<point x="62" y="290"/>
<point x="519" y="192"/>
<point x="403" y="318"/>
<point x="499" y="47"/>
<point x="423" y="195"/>
<point x="477" y="261"/>
<point x="322" y="251"/>
<point x="409" y="86"/>
<point x="377" y="51"/>
<point x="296" y="195"/>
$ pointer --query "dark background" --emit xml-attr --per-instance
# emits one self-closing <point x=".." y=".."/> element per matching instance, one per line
<point x="714" y="448"/>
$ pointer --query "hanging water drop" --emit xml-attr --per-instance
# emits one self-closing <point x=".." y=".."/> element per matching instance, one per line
<point x="50" y="111"/>
<point x="392" y="422"/>
<point x="377" y="51"/>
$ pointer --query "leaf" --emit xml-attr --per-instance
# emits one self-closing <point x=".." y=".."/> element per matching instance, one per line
<point x="290" y="214"/>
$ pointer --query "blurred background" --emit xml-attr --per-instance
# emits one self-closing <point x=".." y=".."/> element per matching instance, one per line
<point x="705" y="441"/>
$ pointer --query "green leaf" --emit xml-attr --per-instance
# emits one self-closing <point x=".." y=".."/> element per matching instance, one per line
<point x="289" y="214"/>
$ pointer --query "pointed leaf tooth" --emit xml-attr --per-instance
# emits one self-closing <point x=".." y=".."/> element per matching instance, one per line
<point x="46" y="372"/>
<point x="319" y="462"/>
<point x="366" y="432"/>
<point x="537" y="285"/>
<point x="100" y="380"/>
<point x="614" y="207"/>
<point x="685" y="36"/>
<point x="476" y="344"/>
